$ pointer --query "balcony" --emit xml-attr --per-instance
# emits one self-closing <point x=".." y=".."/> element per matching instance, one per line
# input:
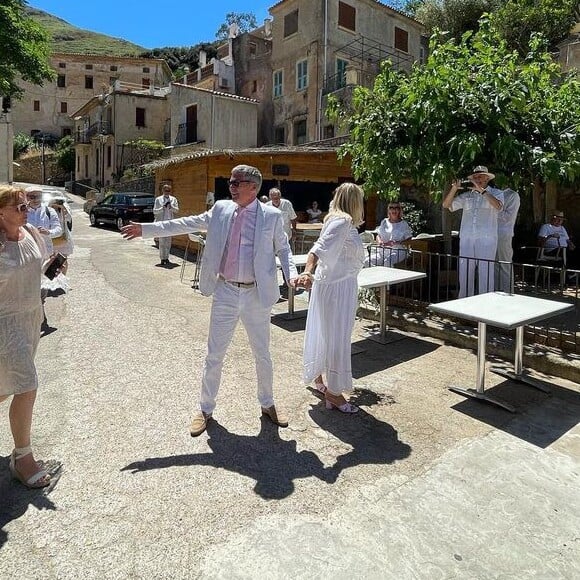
<point x="85" y="136"/>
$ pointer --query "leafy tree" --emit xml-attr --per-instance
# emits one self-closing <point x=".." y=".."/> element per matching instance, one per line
<point x="21" y="144"/>
<point x="473" y="102"/>
<point x="179" y="57"/>
<point x="517" y="20"/>
<point x="24" y="49"/>
<point x="245" y="21"/>
<point x="65" y="154"/>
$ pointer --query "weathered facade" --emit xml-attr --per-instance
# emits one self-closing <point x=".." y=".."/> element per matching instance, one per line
<point x="105" y="124"/>
<point x="326" y="46"/>
<point x="79" y="77"/>
<point x="211" y="119"/>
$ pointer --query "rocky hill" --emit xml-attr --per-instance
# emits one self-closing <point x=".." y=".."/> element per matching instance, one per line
<point x="69" y="38"/>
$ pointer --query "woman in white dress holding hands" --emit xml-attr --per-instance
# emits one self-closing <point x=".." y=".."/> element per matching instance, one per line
<point x="392" y="234"/>
<point x="338" y="256"/>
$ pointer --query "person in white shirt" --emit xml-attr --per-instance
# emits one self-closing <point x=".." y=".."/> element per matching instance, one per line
<point x="165" y="208"/>
<point x="553" y="235"/>
<point x="42" y="217"/>
<point x="392" y="234"/>
<point x="481" y="205"/>
<point x="288" y="214"/>
<point x="505" y="232"/>
<point x="314" y="213"/>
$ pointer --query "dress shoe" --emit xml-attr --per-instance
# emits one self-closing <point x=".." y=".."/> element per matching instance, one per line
<point x="277" y="417"/>
<point x="199" y="423"/>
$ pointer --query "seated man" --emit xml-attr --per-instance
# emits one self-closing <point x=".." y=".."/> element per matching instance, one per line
<point x="553" y="235"/>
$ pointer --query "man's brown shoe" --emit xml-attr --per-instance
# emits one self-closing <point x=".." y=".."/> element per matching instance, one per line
<point x="277" y="417"/>
<point x="199" y="423"/>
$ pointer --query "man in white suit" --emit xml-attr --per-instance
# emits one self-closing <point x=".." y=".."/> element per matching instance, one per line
<point x="165" y="208"/>
<point x="239" y="269"/>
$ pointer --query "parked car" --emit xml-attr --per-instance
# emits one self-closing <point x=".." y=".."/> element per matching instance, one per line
<point x="120" y="208"/>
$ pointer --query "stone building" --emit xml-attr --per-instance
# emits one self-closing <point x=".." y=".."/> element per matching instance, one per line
<point x="79" y="77"/>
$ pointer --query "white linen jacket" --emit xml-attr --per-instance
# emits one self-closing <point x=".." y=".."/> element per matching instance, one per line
<point x="270" y="241"/>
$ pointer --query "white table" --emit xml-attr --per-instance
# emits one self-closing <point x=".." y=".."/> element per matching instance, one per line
<point x="299" y="262"/>
<point x="506" y="311"/>
<point x="382" y="277"/>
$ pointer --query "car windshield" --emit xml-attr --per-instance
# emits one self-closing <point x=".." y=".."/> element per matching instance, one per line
<point x="141" y="200"/>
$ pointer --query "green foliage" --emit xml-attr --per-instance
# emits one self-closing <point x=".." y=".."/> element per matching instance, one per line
<point x="245" y="22"/>
<point x="517" y="20"/>
<point x="65" y="154"/>
<point x="21" y="144"/>
<point x="179" y="57"/>
<point x="24" y="49"/>
<point x="68" y="38"/>
<point x="473" y="102"/>
<point x="414" y="216"/>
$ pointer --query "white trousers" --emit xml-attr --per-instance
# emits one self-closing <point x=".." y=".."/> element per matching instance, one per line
<point x="164" y="248"/>
<point x="229" y="305"/>
<point x="469" y="250"/>
<point x="504" y="272"/>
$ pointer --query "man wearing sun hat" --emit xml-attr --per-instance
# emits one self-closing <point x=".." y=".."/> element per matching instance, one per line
<point x="553" y="235"/>
<point x="481" y="205"/>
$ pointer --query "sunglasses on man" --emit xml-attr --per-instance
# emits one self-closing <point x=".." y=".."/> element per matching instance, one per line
<point x="236" y="182"/>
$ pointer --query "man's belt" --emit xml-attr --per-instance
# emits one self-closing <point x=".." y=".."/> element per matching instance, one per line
<point x="240" y="284"/>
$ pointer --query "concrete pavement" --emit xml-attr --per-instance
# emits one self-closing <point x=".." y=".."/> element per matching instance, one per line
<point x="420" y="484"/>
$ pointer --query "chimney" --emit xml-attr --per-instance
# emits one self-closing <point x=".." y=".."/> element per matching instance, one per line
<point x="202" y="58"/>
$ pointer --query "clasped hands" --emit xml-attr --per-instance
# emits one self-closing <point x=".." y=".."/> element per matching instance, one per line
<point x="304" y="280"/>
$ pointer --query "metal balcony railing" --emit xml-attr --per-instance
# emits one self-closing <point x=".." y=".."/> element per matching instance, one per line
<point x="98" y="128"/>
<point x="186" y="133"/>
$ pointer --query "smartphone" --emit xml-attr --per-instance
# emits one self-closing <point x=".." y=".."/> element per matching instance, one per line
<point x="56" y="263"/>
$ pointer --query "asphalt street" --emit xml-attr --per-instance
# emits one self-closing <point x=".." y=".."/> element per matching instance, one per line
<point x="421" y="484"/>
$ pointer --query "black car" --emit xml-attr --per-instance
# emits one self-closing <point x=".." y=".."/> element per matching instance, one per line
<point x="121" y="208"/>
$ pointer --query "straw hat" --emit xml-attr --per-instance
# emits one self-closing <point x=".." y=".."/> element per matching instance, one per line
<point x="558" y="213"/>
<point x="481" y="170"/>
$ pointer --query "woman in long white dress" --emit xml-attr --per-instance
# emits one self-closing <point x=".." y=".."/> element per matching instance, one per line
<point x="21" y="261"/>
<point x="338" y="256"/>
<point x="392" y="234"/>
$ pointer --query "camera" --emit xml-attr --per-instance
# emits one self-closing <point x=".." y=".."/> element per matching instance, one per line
<point x="466" y="183"/>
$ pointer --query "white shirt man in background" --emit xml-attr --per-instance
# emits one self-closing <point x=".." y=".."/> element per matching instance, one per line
<point x="285" y="206"/>
<point x="165" y="208"/>
<point x="42" y="217"/>
<point x="506" y="221"/>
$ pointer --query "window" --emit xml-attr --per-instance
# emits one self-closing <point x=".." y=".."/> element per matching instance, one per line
<point x="254" y="86"/>
<point x="401" y="39"/>
<point x="278" y="83"/>
<point x="36" y="106"/>
<point x="145" y="83"/>
<point x="279" y="135"/>
<point x="78" y="164"/>
<point x="301" y="75"/>
<point x="61" y="81"/>
<point x="145" y="69"/>
<point x="88" y="82"/>
<point x="64" y="107"/>
<point x="114" y="68"/>
<point x="253" y="47"/>
<point x="140" y="117"/>
<point x="291" y="23"/>
<point x="62" y="65"/>
<point x="88" y="66"/>
<point x="300" y="132"/>
<point x="346" y="16"/>
<point x="341" y="73"/>
<point x="328" y="131"/>
<point x="66" y="131"/>
<point x="86" y="165"/>
<point x="109" y="155"/>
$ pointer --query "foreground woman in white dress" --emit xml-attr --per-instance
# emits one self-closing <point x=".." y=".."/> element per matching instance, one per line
<point x="21" y="261"/>
<point x="338" y="256"/>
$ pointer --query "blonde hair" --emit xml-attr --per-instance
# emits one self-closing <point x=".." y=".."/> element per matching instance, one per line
<point x="9" y="195"/>
<point x="348" y="200"/>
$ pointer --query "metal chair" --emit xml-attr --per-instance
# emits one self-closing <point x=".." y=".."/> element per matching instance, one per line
<point x="554" y="259"/>
<point x="200" y="241"/>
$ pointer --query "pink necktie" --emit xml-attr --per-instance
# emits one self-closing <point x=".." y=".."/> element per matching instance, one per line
<point x="231" y="265"/>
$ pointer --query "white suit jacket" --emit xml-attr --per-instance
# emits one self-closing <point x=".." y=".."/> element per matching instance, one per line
<point x="270" y="240"/>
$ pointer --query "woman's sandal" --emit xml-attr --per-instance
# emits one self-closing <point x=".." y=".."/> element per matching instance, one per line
<point x="345" y="407"/>
<point x="39" y="479"/>
<point x="320" y="387"/>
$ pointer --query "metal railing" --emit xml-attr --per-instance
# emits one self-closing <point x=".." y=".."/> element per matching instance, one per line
<point x="98" y="128"/>
<point x="448" y="273"/>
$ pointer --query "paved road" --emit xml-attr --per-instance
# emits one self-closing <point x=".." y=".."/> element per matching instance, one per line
<point x="421" y="484"/>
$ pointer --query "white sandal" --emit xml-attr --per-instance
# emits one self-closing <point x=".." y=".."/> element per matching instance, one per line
<point x="39" y="479"/>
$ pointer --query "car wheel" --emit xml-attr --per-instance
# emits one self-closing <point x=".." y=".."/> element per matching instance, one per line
<point x="120" y="223"/>
<point x="93" y="219"/>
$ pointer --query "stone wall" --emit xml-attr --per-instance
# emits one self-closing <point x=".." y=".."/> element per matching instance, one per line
<point x="145" y="184"/>
<point x="29" y="168"/>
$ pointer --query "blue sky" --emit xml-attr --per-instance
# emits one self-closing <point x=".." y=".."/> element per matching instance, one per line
<point x="153" y="24"/>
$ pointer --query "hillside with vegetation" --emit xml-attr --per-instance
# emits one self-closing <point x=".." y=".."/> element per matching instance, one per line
<point x="69" y="38"/>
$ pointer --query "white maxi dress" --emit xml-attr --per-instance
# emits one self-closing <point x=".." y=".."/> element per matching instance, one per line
<point x="20" y="314"/>
<point x="333" y="304"/>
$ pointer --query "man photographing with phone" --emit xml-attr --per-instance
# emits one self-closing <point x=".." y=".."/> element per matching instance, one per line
<point x="165" y="208"/>
<point x="481" y="205"/>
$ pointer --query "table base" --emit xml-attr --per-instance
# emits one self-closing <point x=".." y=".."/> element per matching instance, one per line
<point x="293" y="315"/>
<point x="387" y="338"/>
<point x="522" y="378"/>
<point x="473" y="394"/>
